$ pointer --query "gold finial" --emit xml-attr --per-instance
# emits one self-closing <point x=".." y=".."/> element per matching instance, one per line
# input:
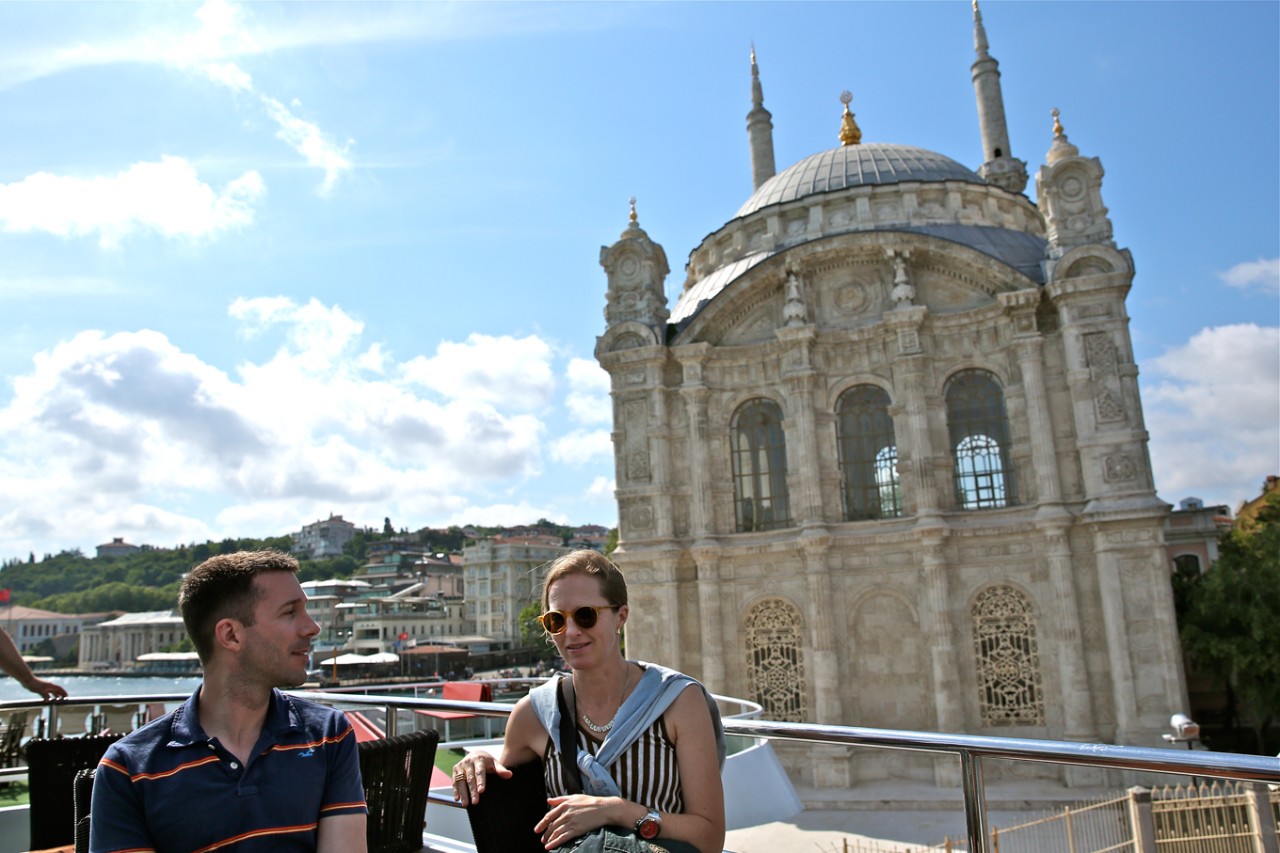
<point x="634" y="219"/>
<point x="1057" y="125"/>
<point x="850" y="134"/>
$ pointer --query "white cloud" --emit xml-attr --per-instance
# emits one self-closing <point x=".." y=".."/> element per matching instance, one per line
<point x="165" y="198"/>
<point x="602" y="488"/>
<point x="583" y="447"/>
<point x="504" y="371"/>
<point x="308" y="140"/>
<point x="588" y="395"/>
<point x="1262" y="274"/>
<point x="127" y="434"/>
<point x="1224" y="382"/>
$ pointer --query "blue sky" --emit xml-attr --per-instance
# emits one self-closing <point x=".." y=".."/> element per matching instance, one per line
<point x="260" y="263"/>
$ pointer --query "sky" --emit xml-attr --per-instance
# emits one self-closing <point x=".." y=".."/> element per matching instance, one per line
<point x="261" y="263"/>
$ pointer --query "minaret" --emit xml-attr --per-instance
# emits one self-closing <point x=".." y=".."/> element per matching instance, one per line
<point x="1000" y="167"/>
<point x="759" y="130"/>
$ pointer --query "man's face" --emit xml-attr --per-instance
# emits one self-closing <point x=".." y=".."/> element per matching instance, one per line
<point x="277" y="644"/>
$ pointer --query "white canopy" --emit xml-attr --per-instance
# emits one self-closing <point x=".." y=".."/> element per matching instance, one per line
<point x="382" y="657"/>
<point x="350" y="657"/>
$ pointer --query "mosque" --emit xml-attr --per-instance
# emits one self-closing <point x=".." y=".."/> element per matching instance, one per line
<point x="883" y="462"/>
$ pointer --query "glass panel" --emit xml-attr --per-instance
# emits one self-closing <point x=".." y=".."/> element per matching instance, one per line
<point x="759" y="455"/>
<point x="868" y="455"/>
<point x="979" y="430"/>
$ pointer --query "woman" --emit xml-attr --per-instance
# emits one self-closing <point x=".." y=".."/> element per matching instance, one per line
<point x="648" y="751"/>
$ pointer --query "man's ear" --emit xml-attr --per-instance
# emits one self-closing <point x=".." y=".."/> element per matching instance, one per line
<point x="228" y="633"/>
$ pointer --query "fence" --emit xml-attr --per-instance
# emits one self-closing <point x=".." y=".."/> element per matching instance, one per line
<point x="1222" y="817"/>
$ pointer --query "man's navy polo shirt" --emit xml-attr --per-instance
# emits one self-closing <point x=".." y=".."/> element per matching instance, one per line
<point x="170" y="787"/>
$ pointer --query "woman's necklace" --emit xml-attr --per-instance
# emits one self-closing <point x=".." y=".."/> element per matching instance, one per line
<point x="600" y="730"/>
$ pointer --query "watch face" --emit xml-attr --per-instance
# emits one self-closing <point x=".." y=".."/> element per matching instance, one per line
<point x="649" y="828"/>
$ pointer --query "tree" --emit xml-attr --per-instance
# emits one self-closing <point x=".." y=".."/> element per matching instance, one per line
<point x="1232" y="621"/>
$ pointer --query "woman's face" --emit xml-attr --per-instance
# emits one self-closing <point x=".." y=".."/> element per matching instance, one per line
<point x="585" y="646"/>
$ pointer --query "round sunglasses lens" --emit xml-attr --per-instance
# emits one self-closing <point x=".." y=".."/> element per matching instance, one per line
<point x="585" y="617"/>
<point x="553" y="622"/>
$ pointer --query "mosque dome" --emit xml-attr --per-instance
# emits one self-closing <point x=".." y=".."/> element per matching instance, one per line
<point x="867" y="164"/>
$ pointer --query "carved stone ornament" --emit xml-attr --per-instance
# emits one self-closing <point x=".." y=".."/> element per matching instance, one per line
<point x="639" y="516"/>
<point x="638" y="465"/>
<point x="1119" y="468"/>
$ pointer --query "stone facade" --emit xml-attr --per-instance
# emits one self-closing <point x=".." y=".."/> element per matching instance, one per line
<point x="886" y="459"/>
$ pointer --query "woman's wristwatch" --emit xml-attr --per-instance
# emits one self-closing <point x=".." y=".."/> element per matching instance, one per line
<point x="649" y="826"/>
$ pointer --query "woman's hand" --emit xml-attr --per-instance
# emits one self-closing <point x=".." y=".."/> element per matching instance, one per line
<point x="576" y="815"/>
<point x="469" y="775"/>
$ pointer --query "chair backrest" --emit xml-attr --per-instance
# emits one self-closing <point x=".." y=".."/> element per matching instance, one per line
<point x="11" y="734"/>
<point x="503" y="820"/>
<point x="81" y="794"/>
<point x="52" y="764"/>
<point x="397" y="779"/>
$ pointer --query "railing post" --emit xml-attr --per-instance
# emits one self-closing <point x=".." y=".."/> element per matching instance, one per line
<point x="1262" y="821"/>
<point x="391" y="720"/>
<point x="975" y="801"/>
<point x="1142" y="821"/>
<point x="1071" y="838"/>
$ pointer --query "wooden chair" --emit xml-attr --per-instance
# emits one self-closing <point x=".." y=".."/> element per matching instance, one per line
<point x="52" y="765"/>
<point x="11" y="738"/>
<point x="81" y="795"/>
<point x="503" y="820"/>
<point x="397" y="779"/>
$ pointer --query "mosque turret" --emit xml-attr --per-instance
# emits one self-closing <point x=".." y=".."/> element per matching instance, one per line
<point x="1069" y="194"/>
<point x="636" y="268"/>
<point x="1000" y="167"/>
<point x="759" y="130"/>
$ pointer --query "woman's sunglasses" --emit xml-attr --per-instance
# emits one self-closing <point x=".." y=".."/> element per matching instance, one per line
<point x="555" y="621"/>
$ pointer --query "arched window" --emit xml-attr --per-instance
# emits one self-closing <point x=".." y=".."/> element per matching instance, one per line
<point x="775" y="660"/>
<point x="1008" y="659"/>
<point x="979" y="430"/>
<point x="759" y="450"/>
<point x="868" y="454"/>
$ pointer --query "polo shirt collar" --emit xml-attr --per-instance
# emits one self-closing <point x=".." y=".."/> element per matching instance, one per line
<point x="282" y="717"/>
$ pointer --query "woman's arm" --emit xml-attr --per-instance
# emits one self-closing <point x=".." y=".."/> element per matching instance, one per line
<point x="702" y="822"/>
<point x="11" y="662"/>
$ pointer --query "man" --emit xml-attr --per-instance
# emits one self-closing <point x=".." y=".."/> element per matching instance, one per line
<point x="240" y="763"/>
<point x="11" y="662"/>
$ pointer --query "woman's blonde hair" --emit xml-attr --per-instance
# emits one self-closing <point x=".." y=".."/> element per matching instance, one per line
<point x="585" y="562"/>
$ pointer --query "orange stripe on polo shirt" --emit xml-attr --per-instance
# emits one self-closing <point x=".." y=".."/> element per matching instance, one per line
<point x="167" y="773"/>
<point x="257" y="833"/>
<point x="358" y="804"/>
<point x="281" y="747"/>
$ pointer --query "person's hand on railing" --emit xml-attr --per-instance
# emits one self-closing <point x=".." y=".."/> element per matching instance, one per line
<point x="469" y="775"/>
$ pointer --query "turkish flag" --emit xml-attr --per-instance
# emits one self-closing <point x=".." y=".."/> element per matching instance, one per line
<point x="4" y="596"/>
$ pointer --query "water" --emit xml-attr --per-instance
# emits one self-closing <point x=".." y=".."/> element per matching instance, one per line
<point x="103" y="685"/>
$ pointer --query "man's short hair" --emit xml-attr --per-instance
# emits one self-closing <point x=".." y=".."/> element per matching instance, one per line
<point x="222" y="588"/>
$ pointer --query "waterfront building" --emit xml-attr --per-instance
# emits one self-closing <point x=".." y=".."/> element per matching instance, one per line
<point x="883" y="462"/>
<point x="405" y="620"/>
<point x="120" y="641"/>
<point x="30" y="627"/>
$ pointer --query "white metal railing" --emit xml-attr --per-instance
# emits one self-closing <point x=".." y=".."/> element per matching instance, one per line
<point x="972" y="750"/>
